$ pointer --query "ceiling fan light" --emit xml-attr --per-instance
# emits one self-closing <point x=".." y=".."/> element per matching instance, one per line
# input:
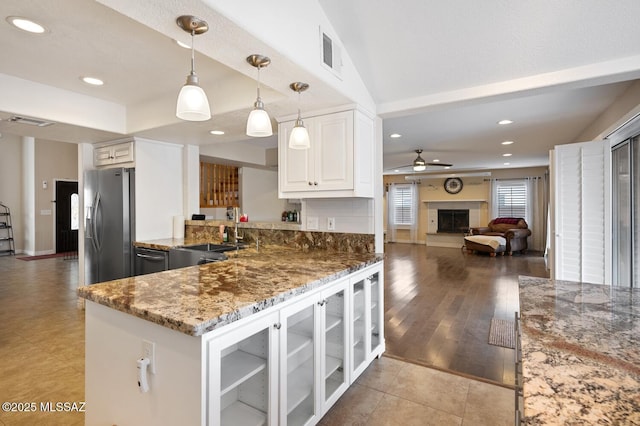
<point x="419" y="167"/>
<point x="299" y="138"/>
<point x="193" y="104"/>
<point x="259" y="124"/>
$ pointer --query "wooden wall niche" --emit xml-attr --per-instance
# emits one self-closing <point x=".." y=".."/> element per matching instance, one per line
<point x="219" y="185"/>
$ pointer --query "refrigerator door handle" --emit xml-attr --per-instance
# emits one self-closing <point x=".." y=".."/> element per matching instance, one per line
<point x="96" y="237"/>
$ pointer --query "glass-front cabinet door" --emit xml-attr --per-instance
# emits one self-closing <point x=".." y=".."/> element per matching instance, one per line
<point x="298" y="364"/>
<point x="243" y="375"/>
<point x="375" y="309"/>
<point x="359" y="330"/>
<point x="367" y="336"/>
<point x="335" y="332"/>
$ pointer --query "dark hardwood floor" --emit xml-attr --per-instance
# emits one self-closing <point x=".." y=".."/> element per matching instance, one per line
<point x="439" y="303"/>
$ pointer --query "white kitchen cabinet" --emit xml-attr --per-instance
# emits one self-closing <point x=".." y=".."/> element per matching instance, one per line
<point x="299" y="356"/>
<point x="243" y="374"/>
<point x="367" y="326"/>
<point x="285" y="365"/>
<point x="339" y="162"/>
<point x="334" y="329"/>
<point x="118" y="153"/>
<point x="306" y="343"/>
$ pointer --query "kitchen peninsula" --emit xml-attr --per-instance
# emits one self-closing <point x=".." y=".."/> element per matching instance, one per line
<point x="273" y="335"/>
<point x="581" y="353"/>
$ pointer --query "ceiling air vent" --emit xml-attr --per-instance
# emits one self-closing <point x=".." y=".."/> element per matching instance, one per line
<point x="30" y="121"/>
<point x="330" y="54"/>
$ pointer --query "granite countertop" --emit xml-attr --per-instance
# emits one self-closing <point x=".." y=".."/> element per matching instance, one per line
<point x="581" y="353"/>
<point x="198" y="299"/>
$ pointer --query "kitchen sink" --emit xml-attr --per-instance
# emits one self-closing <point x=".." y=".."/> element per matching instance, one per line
<point x="219" y="248"/>
<point x="199" y="254"/>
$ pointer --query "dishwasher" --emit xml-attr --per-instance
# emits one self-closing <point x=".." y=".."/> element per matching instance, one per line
<point x="148" y="261"/>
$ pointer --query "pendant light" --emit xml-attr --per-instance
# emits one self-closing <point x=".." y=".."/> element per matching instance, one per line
<point x="299" y="138"/>
<point x="192" y="104"/>
<point x="419" y="164"/>
<point x="259" y="123"/>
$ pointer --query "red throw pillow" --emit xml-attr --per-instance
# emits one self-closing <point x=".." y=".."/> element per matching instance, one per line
<point x="507" y="220"/>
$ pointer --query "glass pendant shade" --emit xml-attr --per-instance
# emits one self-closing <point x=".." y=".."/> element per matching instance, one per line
<point x="419" y="167"/>
<point x="259" y="123"/>
<point x="193" y="104"/>
<point x="299" y="138"/>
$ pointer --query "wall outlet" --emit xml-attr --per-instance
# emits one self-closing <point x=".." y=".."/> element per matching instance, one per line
<point x="312" y="222"/>
<point x="331" y="223"/>
<point x="149" y="351"/>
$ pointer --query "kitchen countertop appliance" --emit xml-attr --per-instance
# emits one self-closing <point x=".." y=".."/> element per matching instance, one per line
<point x="109" y="197"/>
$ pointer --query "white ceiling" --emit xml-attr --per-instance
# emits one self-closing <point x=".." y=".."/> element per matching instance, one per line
<point x="441" y="73"/>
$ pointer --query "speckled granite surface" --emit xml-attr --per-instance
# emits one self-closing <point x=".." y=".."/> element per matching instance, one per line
<point x="284" y="234"/>
<point x="581" y="353"/>
<point x="199" y="299"/>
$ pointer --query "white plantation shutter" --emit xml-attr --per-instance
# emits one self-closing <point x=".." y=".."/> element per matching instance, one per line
<point x="403" y="204"/>
<point x="581" y="202"/>
<point x="511" y="198"/>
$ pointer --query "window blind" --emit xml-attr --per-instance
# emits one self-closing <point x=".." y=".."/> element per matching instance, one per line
<point x="512" y="198"/>
<point x="403" y="200"/>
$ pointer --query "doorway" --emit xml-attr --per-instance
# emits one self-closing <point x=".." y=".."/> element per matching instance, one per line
<point x="67" y="216"/>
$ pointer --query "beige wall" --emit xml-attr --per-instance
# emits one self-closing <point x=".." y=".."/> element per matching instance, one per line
<point x="474" y="188"/>
<point x="54" y="160"/>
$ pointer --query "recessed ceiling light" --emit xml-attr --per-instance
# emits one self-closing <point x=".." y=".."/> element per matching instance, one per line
<point x="217" y="132"/>
<point x="507" y="155"/>
<point x="397" y="171"/>
<point x="181" y="44"/>
<point x="395" y="135"/>
<point x="507" y="142"/>
<point x="506" y="164"/>
<point x="447" y="168"/>
<point x="435" y="160"/>
<point x="92" y="81"/>
<point x="505" y="122"/>
<point x="26" y="24"/>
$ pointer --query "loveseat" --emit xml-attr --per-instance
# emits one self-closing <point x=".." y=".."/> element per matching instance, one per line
<point x="513" y="229"/>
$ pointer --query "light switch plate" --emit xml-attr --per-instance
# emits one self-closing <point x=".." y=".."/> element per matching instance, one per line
<point x="312" y="222"/>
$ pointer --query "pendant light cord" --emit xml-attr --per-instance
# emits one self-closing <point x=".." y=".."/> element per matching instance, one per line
<point x="193" y="56"/>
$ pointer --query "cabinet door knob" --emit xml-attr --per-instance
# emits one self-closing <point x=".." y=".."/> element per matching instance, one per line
<point x="322" y="302"/>
<point x="315" y="183"/>
<point x="310" y="183"/>
<point x="277" y="326"/>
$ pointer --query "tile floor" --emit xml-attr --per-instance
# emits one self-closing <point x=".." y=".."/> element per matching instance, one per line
<point x="42" y="360"/>
<point x="394" y="392"/>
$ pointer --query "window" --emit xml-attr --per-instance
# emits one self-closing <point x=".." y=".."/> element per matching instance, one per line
<point x="402" y="204"/>
<point x="511" y="197"/>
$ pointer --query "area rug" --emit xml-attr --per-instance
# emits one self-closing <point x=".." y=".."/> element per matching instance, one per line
<point x="43" y="256"/>
<point x="502" y="333"/>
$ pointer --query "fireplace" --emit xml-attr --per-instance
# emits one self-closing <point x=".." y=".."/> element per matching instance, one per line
<point x="453" y="221"/>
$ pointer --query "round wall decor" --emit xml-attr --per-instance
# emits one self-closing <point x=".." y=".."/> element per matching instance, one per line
<point x="453" y="185"/>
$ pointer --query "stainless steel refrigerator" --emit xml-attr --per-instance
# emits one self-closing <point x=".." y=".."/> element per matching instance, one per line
<point x="109" y="224"/>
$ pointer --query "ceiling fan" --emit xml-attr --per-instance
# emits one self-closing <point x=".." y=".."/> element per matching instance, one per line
<point x="419" y="164"/>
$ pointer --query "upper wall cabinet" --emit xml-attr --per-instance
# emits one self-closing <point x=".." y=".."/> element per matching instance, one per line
<point x="118" y="153"/>
<point x="339" y="162"/>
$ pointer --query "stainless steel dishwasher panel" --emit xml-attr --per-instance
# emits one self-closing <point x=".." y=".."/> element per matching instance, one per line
<point x="148" y="261"/>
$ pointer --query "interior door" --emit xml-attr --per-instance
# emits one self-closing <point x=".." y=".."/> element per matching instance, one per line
<point x="67" y="216"/>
